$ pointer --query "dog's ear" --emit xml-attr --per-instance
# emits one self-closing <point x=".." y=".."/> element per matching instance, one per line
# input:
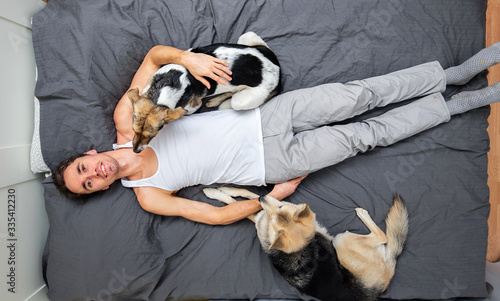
<point x="142" y="107"/>
<point x="133" y="95"/>
<point x="279" y="241"/>
<point x="163" y="115"/>
<point x="303" y="213"/>
<point x="175" y="114"/>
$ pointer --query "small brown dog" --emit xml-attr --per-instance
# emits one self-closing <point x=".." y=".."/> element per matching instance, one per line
<point x="345" y="267"/>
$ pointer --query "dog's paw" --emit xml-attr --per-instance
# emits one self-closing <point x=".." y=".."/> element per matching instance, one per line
<point x="361" y="212"/>
<point x="215" y="101"/>
<point x="211" y="103"/>
<point x="219" y="195"/>
<point x="239" y="192"/>
<point x="212" y="193"/>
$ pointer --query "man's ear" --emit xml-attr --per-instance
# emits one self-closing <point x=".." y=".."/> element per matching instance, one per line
<point x="91" y="152"/>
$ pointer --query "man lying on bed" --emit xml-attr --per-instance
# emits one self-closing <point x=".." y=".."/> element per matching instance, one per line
<point x="286" y="138"/>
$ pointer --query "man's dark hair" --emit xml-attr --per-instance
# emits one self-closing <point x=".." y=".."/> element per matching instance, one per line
<point x="58" y="177"/>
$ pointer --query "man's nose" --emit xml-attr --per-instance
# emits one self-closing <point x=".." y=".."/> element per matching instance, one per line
<point x="93" y="172"/>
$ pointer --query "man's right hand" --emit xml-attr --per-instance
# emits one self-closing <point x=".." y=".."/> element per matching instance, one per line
<point x="201" y="65"/>
<point x="283" y="190"/>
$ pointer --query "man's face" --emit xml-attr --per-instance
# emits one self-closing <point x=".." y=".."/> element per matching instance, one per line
<point x="91" y="173"/>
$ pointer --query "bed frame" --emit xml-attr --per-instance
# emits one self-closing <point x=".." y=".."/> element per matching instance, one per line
<point x="493" y="36"/>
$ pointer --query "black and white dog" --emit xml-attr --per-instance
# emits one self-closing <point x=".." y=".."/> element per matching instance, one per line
<point x="255" y="79"/>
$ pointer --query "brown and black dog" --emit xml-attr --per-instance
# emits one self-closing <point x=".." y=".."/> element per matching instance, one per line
<point x="345" y="267"/>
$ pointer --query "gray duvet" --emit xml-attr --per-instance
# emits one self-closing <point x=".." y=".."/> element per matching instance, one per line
<point x="105" y="247"/>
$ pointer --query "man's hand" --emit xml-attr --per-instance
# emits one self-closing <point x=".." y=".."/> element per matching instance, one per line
<point x="201" y="65"/>
<point x="282" y="190"/>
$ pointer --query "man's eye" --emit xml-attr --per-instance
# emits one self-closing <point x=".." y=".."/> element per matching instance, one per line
<point x="83" y="168"/>
<point x="89" y="184"/>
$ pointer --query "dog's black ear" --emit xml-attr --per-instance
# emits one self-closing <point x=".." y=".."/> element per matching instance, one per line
<point x="133" y="95"/>
<point x="279" y="242"/>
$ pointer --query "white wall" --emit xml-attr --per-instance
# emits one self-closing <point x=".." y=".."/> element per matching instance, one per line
<point x="21" y="241"/>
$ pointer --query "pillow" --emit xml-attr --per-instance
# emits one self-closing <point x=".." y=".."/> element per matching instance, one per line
<point x="37" y="163"/>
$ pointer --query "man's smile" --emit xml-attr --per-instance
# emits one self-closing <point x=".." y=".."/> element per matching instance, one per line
<point x="104" y="172"/>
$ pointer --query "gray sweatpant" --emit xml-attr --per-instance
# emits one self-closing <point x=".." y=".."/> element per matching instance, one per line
<point x="297" y="142"/>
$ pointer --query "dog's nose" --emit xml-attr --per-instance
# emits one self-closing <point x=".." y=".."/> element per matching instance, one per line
<point x="138" y="149"/>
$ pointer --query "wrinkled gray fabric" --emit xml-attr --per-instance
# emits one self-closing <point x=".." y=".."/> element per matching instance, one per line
<point x="107" y="248"/>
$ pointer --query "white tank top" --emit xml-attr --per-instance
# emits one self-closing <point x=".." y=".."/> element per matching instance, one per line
<point x="214" y="147"/>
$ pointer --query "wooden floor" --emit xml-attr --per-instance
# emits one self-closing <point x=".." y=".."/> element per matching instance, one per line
<point x="493" y="36"/>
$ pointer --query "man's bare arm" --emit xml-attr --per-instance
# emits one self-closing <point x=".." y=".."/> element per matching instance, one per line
<point x="163" y="202"/>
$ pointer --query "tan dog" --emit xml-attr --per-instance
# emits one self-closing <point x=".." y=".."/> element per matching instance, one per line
<point x="347" y="267"/>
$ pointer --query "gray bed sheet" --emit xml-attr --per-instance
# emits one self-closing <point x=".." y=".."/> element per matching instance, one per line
<point x="105" y="247"/>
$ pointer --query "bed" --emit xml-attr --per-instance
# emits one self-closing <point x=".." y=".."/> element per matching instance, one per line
<point x="105" y="247"/>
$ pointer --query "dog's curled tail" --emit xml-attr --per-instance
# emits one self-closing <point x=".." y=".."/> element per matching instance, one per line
<point x="396" y="230"/>
<point x="251" y="39"/>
